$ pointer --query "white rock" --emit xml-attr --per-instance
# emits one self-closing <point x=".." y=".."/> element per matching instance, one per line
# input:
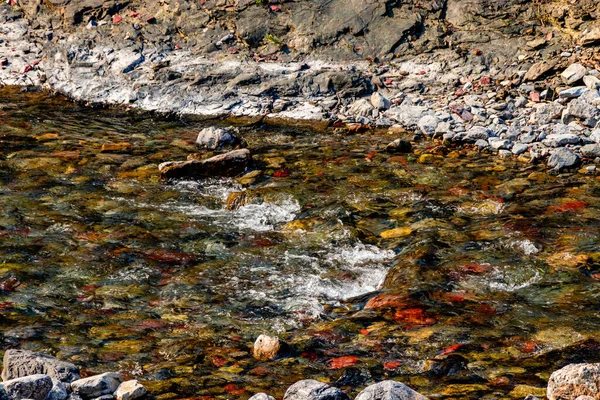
<point x="130" y="390"/>
<point x="266" y="347"/>
<point x="97" y="385"/>
<point x="591" y="82"/>
<point x="380" y="102"/>
<point x="574" y="73"/>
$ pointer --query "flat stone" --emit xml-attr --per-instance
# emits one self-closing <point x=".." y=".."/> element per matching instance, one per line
<point x="591" y="82"/>
<point x="309" y="389"/>
<point x="561" y="139"/>
<point x="497" y="144"/>
<point x="407" y="115"/>
<point x="519" y="148"/>
<point x="562" y="158"/>
<point x="389" y="390"/>
<point x="590" y="37"/>
<point x="229" y="164"/>
<point x="21" y="363"/>
<point x="476" y="133"/>
<point x="97" y="385"/>
<point x="546" y="112"/>
<point x="574" y="380"/>
<point x="361" y="107"/>
<point x="573" y="73"/>
<point x="572" y="93"/>
<point x="539" y="69"/>
<point x="130" y="390"/>
<point x="34" y="387"/>
<point x="590" y="150"/>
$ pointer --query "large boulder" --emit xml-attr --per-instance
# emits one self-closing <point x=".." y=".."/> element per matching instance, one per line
<point x="389" y="390"/>
<point x="229" y="164"/>
<point x="562" y="158"/>
<point x="21" y="363"/>
<point x="216" y="138"/>
<point x="130" y="390"/>
<point x="34" y="387"/>
<point x="309" y="389"/>
<point x="97" y="385"/>
<point x="573" y="381"/>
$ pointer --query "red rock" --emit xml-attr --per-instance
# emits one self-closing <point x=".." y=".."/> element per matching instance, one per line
<point x="569" y="206"/>
<point x="218" y="362"/>
<point x="342" y="362"/>
<point x="451" y="349"/>
<point x="486" y="80"/>
<point x="387" y="301"/>
<point x="116" y="19"/>
<point x="282" y="173"/>
<point x="413" y="316"/>
<point x="535" y="97"/>
<point x="234" y="390"/>
<point x="27" y="69"/>
<point x="364" y="332"/>
<point x="477" y="52"/>
<point x="275" y="8"/>
<point x="528" y="347"/>
<point x="391" y="365"/>
<point x="260" y="371"/>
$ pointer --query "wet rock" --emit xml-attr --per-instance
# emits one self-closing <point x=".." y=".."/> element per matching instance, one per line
<point x="389" y="390"/>
<point x="130" y="390"/>
<point x="116" y="147"/>
<point x="229" y="164"/>
<point x="428" y="124"/>
<point x="97" y="385"/>
<point x="309" y="389"/>
<point x="266" y="347"/>
<point x="399" y="146"/>
<point x="574" y="73"/>
<point x="261" y="396"/>
<point x="213" y="138"/>
<point x="563" y="158"/>
<point x="35" y="387"/>
<point x="21" y="363"/>
<point x="380" y="102"/>
<point x="574" y="380"/>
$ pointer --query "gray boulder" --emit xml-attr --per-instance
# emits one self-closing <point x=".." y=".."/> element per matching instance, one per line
<point x="216" y="138"/>
<point x="590" y="150"/>
<point x="309" y="389"/>
<point x="562" y="158"/>
<point x="574" y="73"/>
<point x="389" y="390"/>
<point x="573" y="381"/>
<point x="97" y="385"/>
<point x="380" y="102"/>
<point x="229" y="164"/>
<point x="58" y="391"/>
<point x="35" y="387"/>
<point x="595" y="135"/>
<point x="407" y="115"/>
<point x="361" y="107"/>
<point x="572" y="93"/>
<point x="561" y="139"/>
<point x="582" y="110"/>
<point x="546" y="112"/>
<point x="428" y="124"/>
<point x="474" y="134"/>
<point x="21" y="363"/>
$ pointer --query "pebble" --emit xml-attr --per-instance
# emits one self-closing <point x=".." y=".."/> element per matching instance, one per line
<point x="573" y="73"/>
<point x="266" y="347"/>
<point x="572" y="93"/>
<point x="130" y="390"/>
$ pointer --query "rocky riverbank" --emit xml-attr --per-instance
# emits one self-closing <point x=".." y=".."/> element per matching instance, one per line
<point x="36" y="376"/>
<point x="511" y="77"/>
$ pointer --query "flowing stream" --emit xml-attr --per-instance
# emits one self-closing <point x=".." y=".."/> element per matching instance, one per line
<point x="460" y="274"/>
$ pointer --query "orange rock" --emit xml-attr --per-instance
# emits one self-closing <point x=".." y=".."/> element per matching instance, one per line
<point x="387" y="301"/>
<point x="116" y="147"/>
<point x="266" y="347"/>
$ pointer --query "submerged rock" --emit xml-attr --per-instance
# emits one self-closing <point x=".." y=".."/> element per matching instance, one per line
<point x="399" y="146"/>
<point x="227" y="165"/>
<point x="266" y="347"/>
<point x="35" y="387"/>
<point x="574" y="380"/>
<point x="262" y="396"/>
<point x="21" y="363"/>
<point x="309" y="389"/>
<point x="389" y="390"/>
<point x="97" y="385"/>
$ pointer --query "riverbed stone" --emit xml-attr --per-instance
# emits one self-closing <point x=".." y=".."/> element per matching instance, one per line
<point x="591" y="82"/>
<point x="562" y="158"/>
<point x="560" y="139"/>
<point x="266" y="347"/>
<point x="573" y="73"/>
<point x="97" y="385"/>
<point x="213" y="138"/>
<point x="427" y="124"/>
<point x="361" y="107"/>
<point x="261" y="396"/>
<point x="58" y="391"/>
<point x="590" y="150"/>
<point x="310" y="389"/>
<point x="35" y="387"/>
<point x="130" y="390"/>
<point x="389" y="390"/>
<point x="399" y="146"/>
<point x="21" y="363"/>
<point x="572" y="93"/>
<point x="574" y="380"/>
<point x="229" y="164"/>
<point x="380" y="102"/>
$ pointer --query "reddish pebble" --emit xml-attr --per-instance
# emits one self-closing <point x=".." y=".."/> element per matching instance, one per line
<point x="275" y="8"/>
<point x="451" y="349"/>
<point x="117" y="19"/>
<point x="390" y="365"/>
<point x="282" y="173"/>
<point x="27" y="69"/>
<point x="342" y="362"/>
<point x="486" y="80"/>
<point x="535" y="97"/>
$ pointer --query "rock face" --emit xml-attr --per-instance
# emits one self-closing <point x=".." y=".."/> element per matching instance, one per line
<point x="213" y="138"/>
<point x="310" y="389"/>
<point x="130" y="390"/>
<point x="229" y="164"/>
<point x="574" y="380"/>
<point x="266" y="347"/>
<point x="389" y="390"/>
<point x="21" y="363"/>
<point x="35" y="387"/>
<point x="97" y="385"/>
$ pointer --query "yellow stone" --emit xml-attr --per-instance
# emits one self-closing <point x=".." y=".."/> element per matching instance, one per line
<point x="47" y="136"/>
<point x="567" y="261"/>
<point x="396" y="233"/>
<point x="522" y="391"/>
<point x="426" y="159"/>
<point x="400" y="212"/>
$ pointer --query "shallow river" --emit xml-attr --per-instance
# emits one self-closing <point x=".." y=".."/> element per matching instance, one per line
<point x="459" y="274"/>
